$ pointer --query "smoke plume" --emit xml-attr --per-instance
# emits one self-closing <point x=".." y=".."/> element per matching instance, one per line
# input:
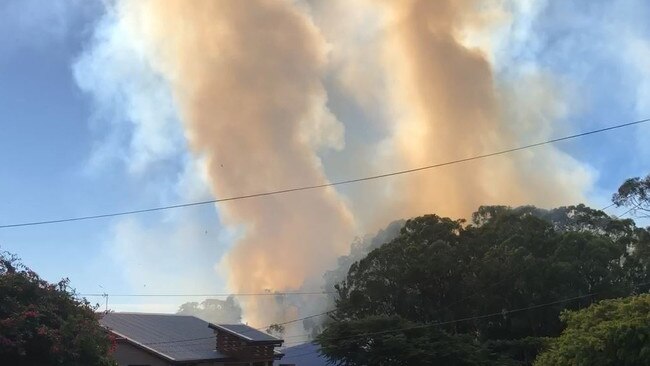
<point x="247" y="80"/>
<point x="251" y="81"/>
<point x="442" y="103"/>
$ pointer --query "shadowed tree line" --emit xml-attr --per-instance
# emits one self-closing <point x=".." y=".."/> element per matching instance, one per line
<point x="215" y="311"/>
<point x="439" y="270"/>
<point x="434" y="269"/>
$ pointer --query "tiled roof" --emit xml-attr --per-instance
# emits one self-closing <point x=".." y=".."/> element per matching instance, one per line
<point x="306" y="354"/>
<point x="246" y="332"/>
<point x="175" y="337"/>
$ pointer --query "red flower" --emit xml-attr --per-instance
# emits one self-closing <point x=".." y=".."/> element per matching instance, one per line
<point x="6" y="341"/>
<point x="113" y="340"/>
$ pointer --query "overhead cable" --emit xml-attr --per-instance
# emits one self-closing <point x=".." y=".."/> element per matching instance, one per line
<point x="329" y="184"/>
<point x="208" y="295"/>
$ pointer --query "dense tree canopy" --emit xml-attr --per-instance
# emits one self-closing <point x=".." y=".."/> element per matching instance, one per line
<point x="441" y="270"/>
<point x="43" y="323"/>
<point x="358" y="250"/>
<point x="610" y="333"/>
<point x="412" y="347"/>
<point x="635" y="194"/>
<point x="214" y="311"/>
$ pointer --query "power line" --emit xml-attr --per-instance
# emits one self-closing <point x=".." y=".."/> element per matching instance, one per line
<point x="627" y="212"/>
<point x="244" y="332"/>
<point x="450" y="305"/>
<point x="300" y="319"/>
<point x="504" y="312"/>
<point x="501" y="313"/>
<point x="478" y="317"/>
<point x="180" y="340"/>
<point x="330" y="184"/>
<point x="447" y="307"/>
<point x="209" y="295"/>
<point x="607" y="207"/>
<point x="326" y="312"/>
<point x="440" y="310"/>
<point x="304" y="354"/>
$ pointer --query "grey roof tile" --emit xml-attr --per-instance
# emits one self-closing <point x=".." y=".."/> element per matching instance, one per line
<point x="306" y="354"/>
<point x="247" y="332"/>
<point x="176" y="337"/>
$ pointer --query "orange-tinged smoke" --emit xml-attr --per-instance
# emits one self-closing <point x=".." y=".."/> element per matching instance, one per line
<point x="247" y="79"/>
<point x="446" y="106"/>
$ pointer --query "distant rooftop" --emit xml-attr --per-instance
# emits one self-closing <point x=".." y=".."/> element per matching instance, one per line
<point x="306" y="354"/>
<point x="175" y="337"/>
<point x="246" y="332"/>
<point x="178" y="337"/>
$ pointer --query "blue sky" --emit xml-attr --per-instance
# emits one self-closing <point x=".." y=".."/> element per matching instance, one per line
<point x="68" y="148"/>
<point x="51" y="145"/>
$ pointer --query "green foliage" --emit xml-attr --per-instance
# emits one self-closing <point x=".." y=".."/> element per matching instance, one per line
<point x="276" y="329"/>
<point x="358" y="250"/>
<point x="363" y="342"/>
<point x="214" y="310"/>
<point x="439" y="270"/>
<point x="609" y="333"/>
<point x="43" y="324"/>
<point x="635" y="194"/>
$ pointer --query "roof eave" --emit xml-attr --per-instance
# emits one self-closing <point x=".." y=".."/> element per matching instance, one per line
<point x="277" y="341"/>
<point x="160" y="354"/>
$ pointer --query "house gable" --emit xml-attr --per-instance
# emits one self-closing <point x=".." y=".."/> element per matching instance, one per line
<point x="166" y="339"/>
<point x="243" y="342"/>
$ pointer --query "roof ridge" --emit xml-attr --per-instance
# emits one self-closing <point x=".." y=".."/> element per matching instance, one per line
<point x="149" y="313"/>
<point x="248" y="333"/>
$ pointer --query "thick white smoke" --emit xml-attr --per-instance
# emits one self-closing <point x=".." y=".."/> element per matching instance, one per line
<point x="275" y="94"/>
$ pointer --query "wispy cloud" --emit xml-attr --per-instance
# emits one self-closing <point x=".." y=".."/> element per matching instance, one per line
<point x="135" y="117"/>
<point x="444" y="79"/>
<point x="34" y="23"/>
<point x="138" y="135"/>
<point x="597" y="52"/>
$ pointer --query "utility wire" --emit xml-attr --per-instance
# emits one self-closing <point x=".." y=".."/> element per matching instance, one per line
<point x="627" y="212"/>
<point x="179" y="341"/>
<point x="502" y="313"/>
<point x="244" y="332"/>
<point x="330" y="184"/>
<point x="447" y="307"/>
<point x="300" y="319"/>
<point x="631" y="209"/>
<point x="408" y="328"/>
<point x="607" y="207"/>
<point x="478" y="317"/>
<point x="208" y="295"/>
<point x="413" y="327"/>
<point x="450" y="305"/>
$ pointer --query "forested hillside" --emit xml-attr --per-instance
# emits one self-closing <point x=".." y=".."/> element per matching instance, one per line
<point x="482" y="292"/>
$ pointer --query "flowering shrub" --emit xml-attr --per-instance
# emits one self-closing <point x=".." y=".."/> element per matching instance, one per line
<point x="44" y="324"/>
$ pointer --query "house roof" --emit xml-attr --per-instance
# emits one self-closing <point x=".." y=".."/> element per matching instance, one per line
<point x="174" y="337"/>
<point x="246" y="332"/>
<point x="306" y="354"/>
